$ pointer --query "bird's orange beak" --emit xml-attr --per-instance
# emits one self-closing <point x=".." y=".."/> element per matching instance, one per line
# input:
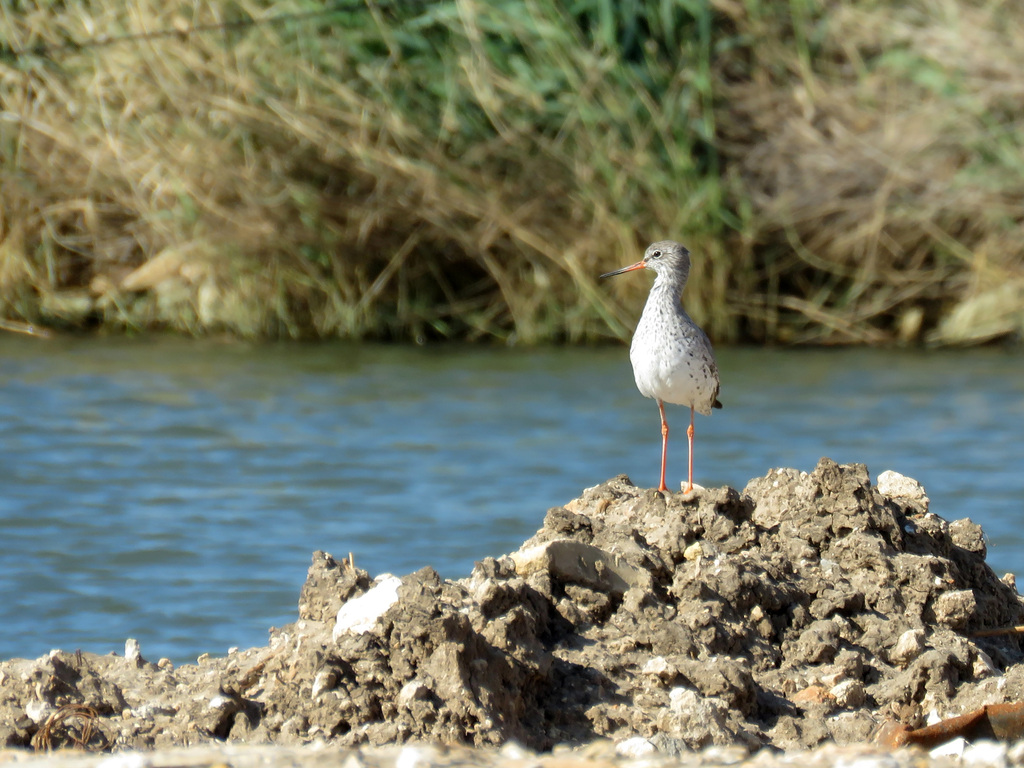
<point x="630" y="268"/>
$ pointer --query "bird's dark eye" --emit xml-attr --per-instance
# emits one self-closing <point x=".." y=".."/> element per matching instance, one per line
<point x="656" y="254"/>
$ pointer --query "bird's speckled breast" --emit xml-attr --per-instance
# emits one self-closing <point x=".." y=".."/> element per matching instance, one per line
<point x="672" y="358"/>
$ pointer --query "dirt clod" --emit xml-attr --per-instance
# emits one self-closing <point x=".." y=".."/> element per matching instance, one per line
<point x="809" y="607"/>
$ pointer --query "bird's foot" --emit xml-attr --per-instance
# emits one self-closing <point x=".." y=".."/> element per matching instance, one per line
<point x="691" y="491"/>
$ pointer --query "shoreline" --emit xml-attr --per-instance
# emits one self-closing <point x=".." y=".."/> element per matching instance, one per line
<point x="806" y="611"/>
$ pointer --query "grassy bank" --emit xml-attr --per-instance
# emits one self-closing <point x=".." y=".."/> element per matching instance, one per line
<point x="844" y="173"/>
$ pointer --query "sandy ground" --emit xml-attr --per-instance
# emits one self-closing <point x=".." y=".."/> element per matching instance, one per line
<point x="597" y="755"/>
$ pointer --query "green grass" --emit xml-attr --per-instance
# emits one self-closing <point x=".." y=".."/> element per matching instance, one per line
<point x="843" y="173"/>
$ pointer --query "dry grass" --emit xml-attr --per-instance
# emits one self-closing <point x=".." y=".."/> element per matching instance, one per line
<point x="466" y="169"/>
<point x="888" y="177"/>
<point x="71" y="725"/>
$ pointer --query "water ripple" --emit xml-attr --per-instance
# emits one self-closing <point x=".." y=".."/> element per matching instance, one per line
<point x="173" y="491"/>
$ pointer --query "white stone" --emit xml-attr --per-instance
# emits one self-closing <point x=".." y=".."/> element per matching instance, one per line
<point x="908" y="647"/>
<point x="576" y="562"/>
<point x="985" y="754"/>
<point x="413" y="756"/>
<point x="513" y="750"/>
<point x="132" y="651"/>
<point x="656" y="666"/>
<point x="38" y="710"/>
<point x="983" y="665"/>
<point x="951" y="748"/>
<point x="219" y="702"/>
<point x="898" y="486"/>
<point x="412" y="691"/>
<point x="832" y="679"/>
<point x="325" y="680"/>
<point x="849" y="693"/>
<point x="148" y="710"/>
<point x="360" y="614"/>
<point x="683" y="699"/>
<point x="1015" y="754"/>
<point x="637" y="746"/>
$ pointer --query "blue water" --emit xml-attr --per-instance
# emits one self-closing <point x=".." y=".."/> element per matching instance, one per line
<point x="173" y="491"/>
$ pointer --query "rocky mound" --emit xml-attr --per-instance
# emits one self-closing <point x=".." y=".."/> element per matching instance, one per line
<point x="809" y="607"/>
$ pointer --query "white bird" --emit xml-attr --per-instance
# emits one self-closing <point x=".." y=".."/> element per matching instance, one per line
<point x="671" y="356"/>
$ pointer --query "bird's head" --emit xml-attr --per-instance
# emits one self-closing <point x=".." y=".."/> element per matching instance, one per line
<point x="664" y="257"/>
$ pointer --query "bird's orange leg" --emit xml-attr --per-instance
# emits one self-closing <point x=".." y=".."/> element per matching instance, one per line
<point x="689" y="439"/>
<point x="664" y="445"/>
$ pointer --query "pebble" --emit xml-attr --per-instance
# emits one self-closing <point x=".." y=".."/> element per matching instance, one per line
<point x="660" y="668"/>
<point x="955" y="608"/>
<point x="325" y="680"/>
<point x="637" y="746"/>
<point x="219" y="702"/>
<point x="683" y="699"/>
<point x="908" y="647"/>
<point x="360" y="614"/>
<point x="900" y="486"/>
<point x="133" y="651"/>
<point x="983" y="665"/>
<point x="849" y="693"/>
<point x="984" y="754"/>
<point x="412" y="691"/>
<point x="513" y="750"/>
<point x="952" y="748"/>
<point x="38" y="710"/>
<point x="417" y="756"/>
